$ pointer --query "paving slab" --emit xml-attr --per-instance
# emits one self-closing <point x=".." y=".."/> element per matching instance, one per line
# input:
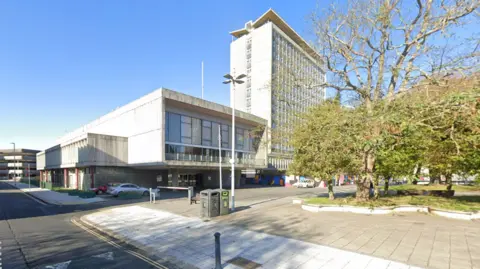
<point x="428" y="239"/>
<point x="190" y="240"/>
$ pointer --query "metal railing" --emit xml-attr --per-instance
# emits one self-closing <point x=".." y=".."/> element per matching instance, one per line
<point x="211" y="159"/>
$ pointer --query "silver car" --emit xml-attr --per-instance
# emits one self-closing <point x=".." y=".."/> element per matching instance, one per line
<point x="117" y="189"/>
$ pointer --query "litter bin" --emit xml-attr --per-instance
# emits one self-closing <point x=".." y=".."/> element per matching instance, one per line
<point x="210" y="200"/>
<point x="224" y="201"/>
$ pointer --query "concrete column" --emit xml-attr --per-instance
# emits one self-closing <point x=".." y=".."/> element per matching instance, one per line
<point x="92" y="177"/>
<point x="76" y="176"/>
<point x="65" y="177"/>
<point x="164" y="178"/>
<point x="238" y="173"/>
<point x="174" y="178"/>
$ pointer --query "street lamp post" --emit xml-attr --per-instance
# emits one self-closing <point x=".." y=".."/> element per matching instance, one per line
<point x="233" y="80"/>
<point x="220" y="155"/>
<point x="14" y="161"/>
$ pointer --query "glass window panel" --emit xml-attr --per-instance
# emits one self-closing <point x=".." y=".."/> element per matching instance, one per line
<point x="225" y="136"/>
<point x="197" y="151"/>
<point x="174" y="124"/>
<point x="246" y="144"/>
<point x="186" y="119"/>
<point x="239" y="136"/>
<point x="186" y="130"/>
<point x="215" y="134"/>
<point x="207" y="133"/>
<point x="189" y="150"/>
<point x="196" y="131"/>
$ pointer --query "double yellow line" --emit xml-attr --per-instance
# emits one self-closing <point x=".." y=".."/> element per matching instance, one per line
<point x="107" y="240"/>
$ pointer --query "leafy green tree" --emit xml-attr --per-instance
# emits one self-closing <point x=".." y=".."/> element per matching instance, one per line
<point x="374" y="49"/>
<point x="451" y="125"/>
<point x="440" y="128"/>
<point x="326" y="142"/>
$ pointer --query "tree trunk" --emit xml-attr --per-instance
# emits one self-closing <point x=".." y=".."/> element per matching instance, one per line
<point x="330" y="189"/>
<point x="385" y="188"/>
<point x="376" y="193"/>
<point x="448" y="178"/>
<point x="363" y="184"/>
<point x="363" y="188"/>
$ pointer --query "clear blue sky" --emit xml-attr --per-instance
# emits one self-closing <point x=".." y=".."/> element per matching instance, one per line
<point x="65" y="63"/>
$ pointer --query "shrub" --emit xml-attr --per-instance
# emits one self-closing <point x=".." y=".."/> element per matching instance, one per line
<point x="81" y="194"/>
<point x="129" y="195"/>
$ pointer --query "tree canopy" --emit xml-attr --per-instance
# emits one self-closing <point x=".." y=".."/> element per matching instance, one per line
<point x="375" y="50"/>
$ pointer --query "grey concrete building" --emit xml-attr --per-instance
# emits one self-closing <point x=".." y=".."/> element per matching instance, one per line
<point x="164" y="138"/>
<point x="14" y="164"/>
<point x="284" y="78"/>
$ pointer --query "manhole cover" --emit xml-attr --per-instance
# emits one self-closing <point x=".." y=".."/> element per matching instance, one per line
<point x="244" y="263"/>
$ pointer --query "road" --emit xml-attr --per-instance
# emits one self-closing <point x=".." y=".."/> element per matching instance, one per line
<point x="34" y="235"/>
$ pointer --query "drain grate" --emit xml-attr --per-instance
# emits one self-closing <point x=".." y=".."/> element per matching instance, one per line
<point x="244" y="263"/>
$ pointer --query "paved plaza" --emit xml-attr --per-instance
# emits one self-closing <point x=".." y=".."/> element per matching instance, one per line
<point x="412" y="238"/>
<point x="267" y="228"/>
<point x="190" y="241"/>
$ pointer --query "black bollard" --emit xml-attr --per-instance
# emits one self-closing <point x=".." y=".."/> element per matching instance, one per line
<point x="218" y="260"/>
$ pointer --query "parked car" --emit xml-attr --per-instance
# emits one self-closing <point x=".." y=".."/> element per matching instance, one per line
<point x="100" y="190"/>
<point x="116" y="189"/>
<point x="308" y="183"/>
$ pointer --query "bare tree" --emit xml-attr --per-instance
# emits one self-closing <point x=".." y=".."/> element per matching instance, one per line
<point x="374" y="49"/>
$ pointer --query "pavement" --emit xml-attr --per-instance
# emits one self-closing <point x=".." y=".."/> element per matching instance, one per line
<point x="191" y="241"/>
<point x="52" y="197"/>
<point x="416" y="239"/>
<point x="411" y="239"/>
<point x="35" y="235"/>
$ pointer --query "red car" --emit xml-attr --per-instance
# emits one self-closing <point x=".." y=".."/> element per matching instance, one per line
<point x="100" y="190"/>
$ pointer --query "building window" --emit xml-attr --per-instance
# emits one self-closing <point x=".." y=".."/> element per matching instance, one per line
<point x="174" y="124"/>
<point x="225" y="136"/>
<point x="215" y="131"/>
<point x="196" y="131"/>
<point x="206" y="133"/>
<point x="186" y="130"/>
<point x="239" y="137"/>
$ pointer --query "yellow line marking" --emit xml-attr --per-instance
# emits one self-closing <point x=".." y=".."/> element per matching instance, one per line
<point x="131" y="252"/>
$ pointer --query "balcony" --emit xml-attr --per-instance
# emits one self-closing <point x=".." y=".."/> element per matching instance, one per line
<point x="213" y="159"/>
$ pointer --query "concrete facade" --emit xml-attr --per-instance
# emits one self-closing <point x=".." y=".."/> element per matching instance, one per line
<point x="163" y="138"/>
<point x="283" y="77"/>
<point x="15" y="163"/>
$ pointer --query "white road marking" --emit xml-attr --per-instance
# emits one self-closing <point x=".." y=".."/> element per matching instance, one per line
<point x="108" y="241"/>
<point x="62" y="265"/>
<point x="106" y="255"/>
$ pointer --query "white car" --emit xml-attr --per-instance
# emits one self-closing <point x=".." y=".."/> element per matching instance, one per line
<point x="115" y="189"/>
<point x="307" y="183"/>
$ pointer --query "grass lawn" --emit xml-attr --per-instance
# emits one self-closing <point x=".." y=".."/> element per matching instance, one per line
<point x="457" y="188"/>
<point x="458" y="203"/>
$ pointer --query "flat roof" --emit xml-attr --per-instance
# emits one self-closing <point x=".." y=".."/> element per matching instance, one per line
<point x="272" y="16"/>
<point x="178" y="98"/>
<point x="18" y="151"/>
<point x="208" y="106"/>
